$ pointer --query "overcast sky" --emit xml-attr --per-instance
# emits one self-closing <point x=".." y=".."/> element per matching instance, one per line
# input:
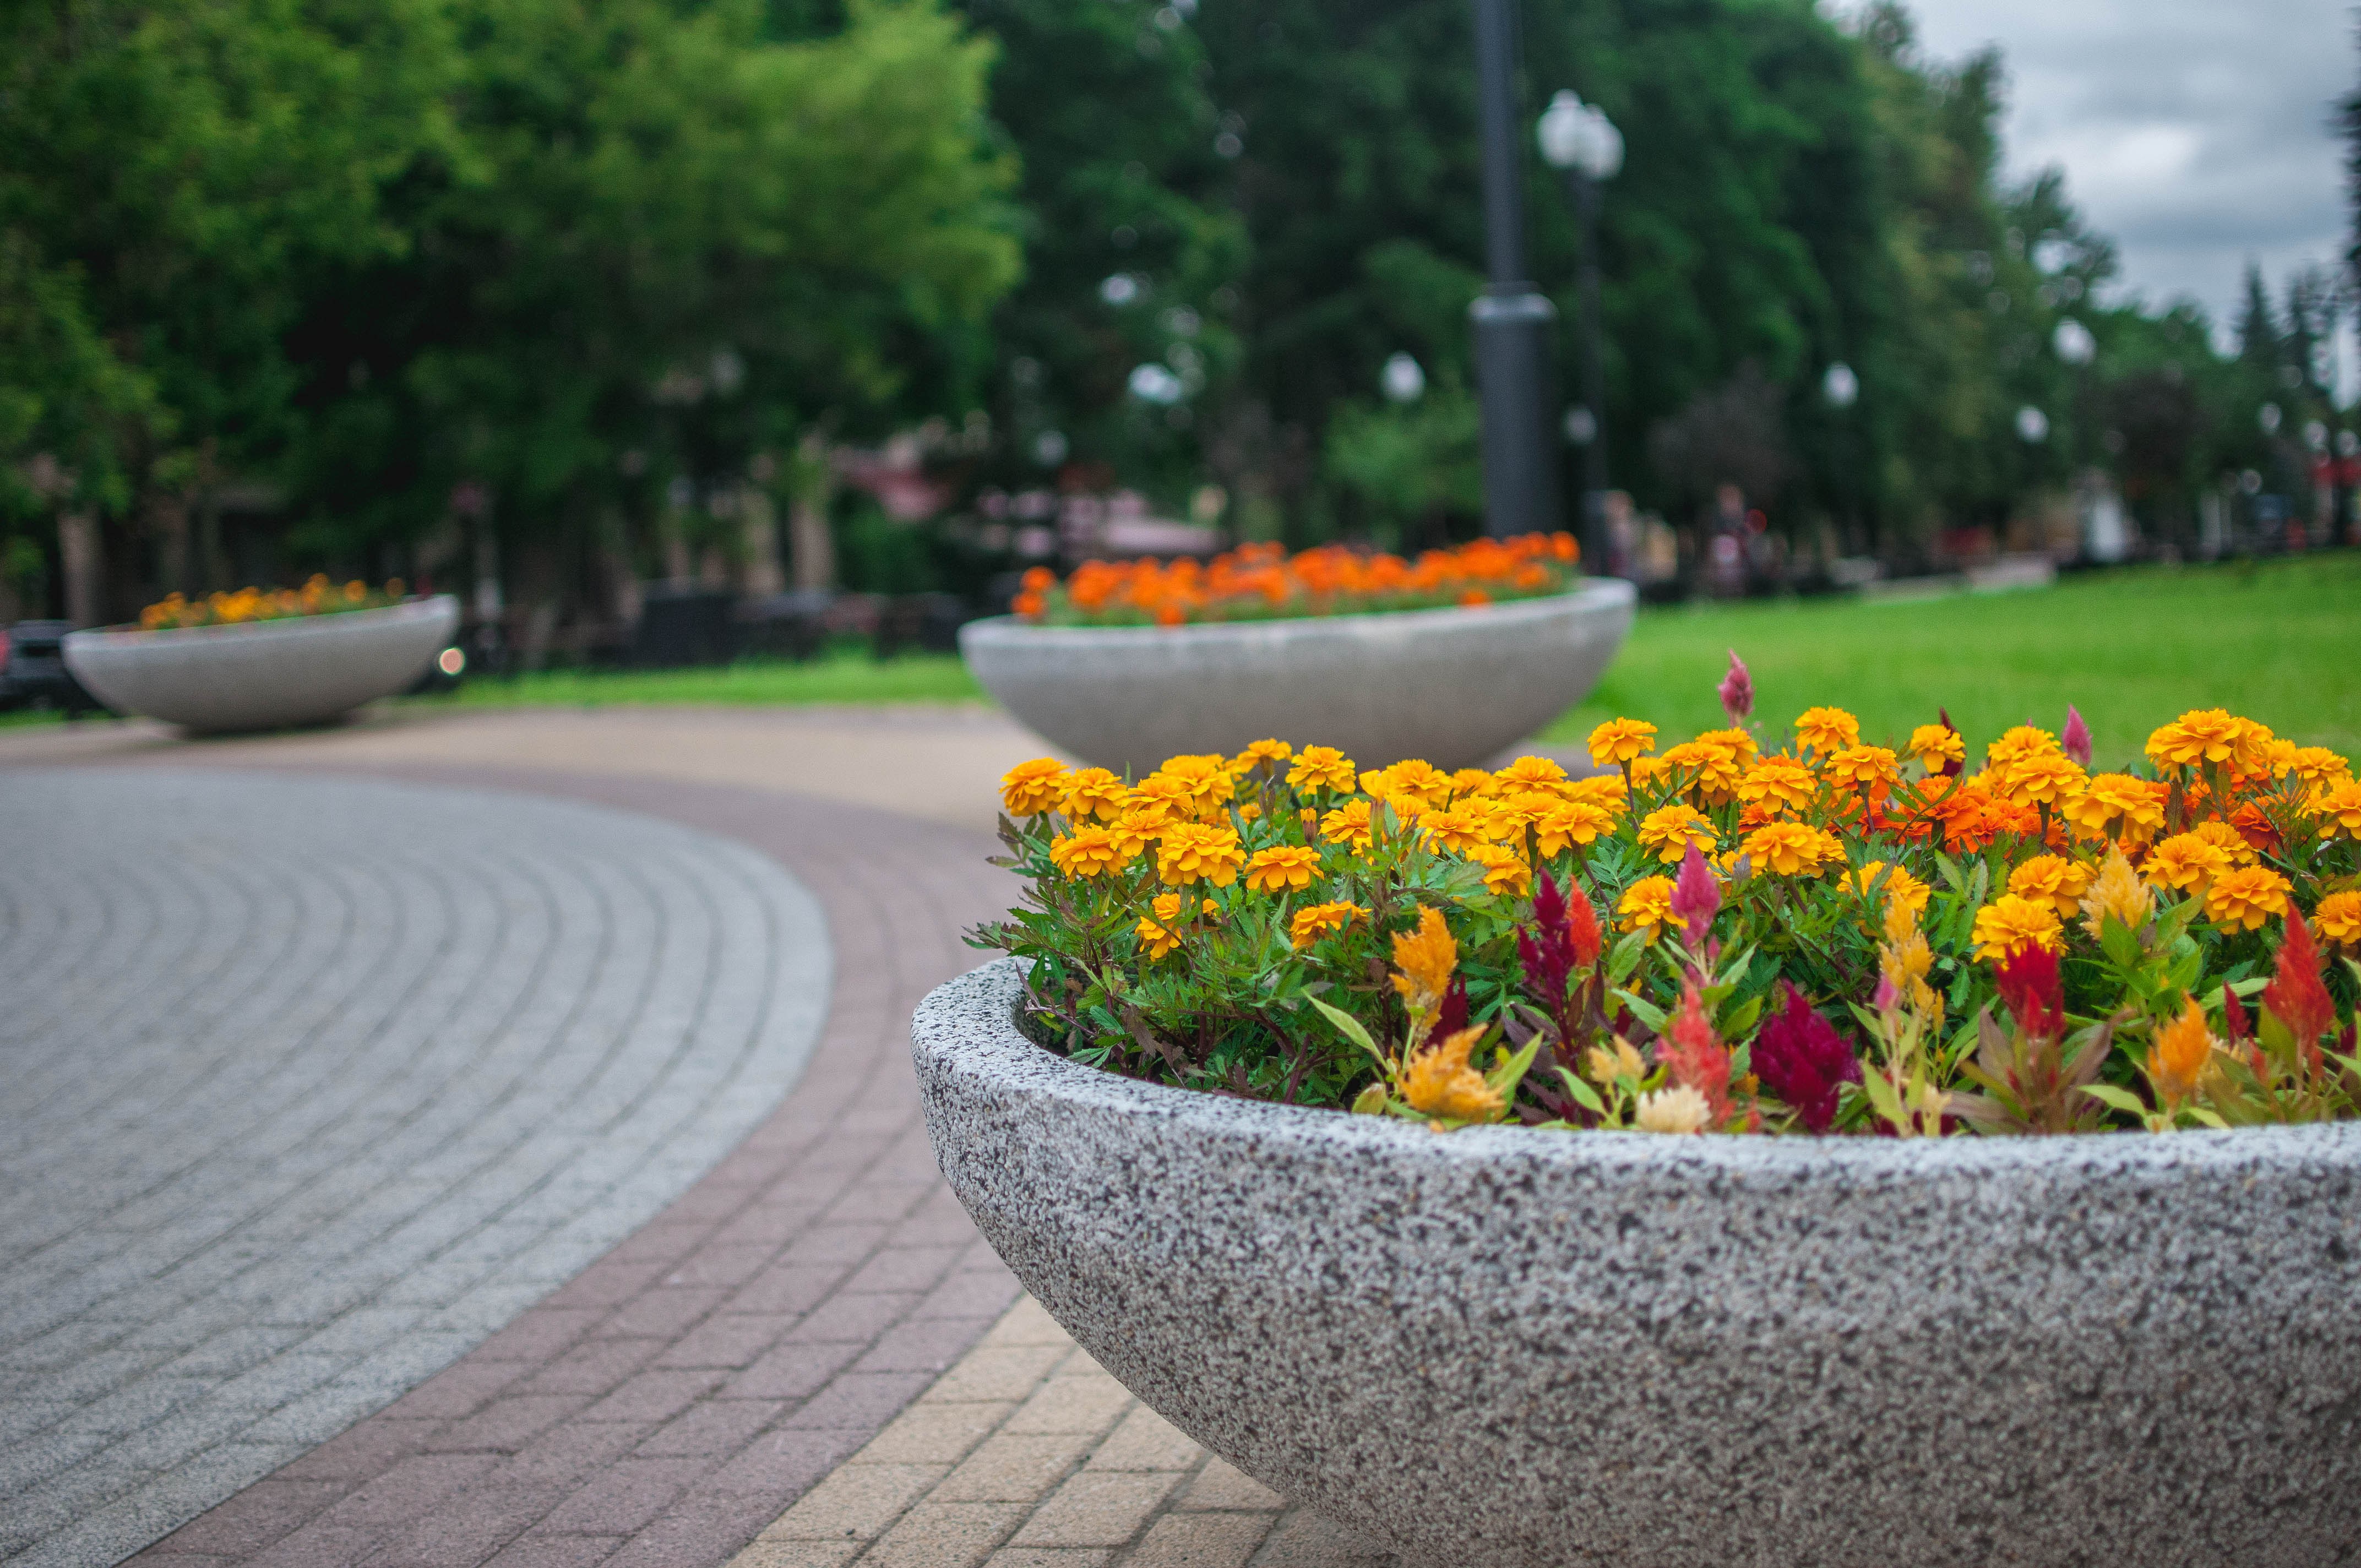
<point x="2196" y="132"/>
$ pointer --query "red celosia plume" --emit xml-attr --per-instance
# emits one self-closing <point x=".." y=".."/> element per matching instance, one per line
<point x="2030" y="988"/>
<point x="1801" y="1059"/>
<point x="1693" y="1057"/>
<point x="2296" y="996"/>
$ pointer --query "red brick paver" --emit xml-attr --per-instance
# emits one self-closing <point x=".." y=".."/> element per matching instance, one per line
<point x="677" y="1396"/>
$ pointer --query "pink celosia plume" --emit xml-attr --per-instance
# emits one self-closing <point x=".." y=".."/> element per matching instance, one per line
<point x="1695" y="897"/>
<point x="1737" y="690"/>
<point x="2076" y="740"/>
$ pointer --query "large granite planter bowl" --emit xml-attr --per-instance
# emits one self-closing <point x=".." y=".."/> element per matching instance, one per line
<point x="266" y="674"/>
<point x="1501" y="1346"/>
<point x="1453" y="686"/>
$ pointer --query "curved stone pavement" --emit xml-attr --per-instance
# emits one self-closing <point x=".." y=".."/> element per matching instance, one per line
<point x="313" y="1084"/>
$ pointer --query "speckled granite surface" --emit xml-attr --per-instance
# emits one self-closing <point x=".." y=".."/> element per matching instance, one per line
<point x="1508" y="1348"/>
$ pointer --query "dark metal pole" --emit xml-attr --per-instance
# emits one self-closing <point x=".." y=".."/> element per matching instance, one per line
<point x="1594" y="377"/>
<point x="1511" y="317"/>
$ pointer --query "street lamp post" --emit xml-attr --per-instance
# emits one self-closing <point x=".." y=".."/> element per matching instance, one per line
<point x="1511" y="317"/>
<point x="1583" y="146"/>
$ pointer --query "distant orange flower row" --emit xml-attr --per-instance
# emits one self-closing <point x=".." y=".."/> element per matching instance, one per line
<point x="317" y="596"/>
<point x="1262" y="582"/>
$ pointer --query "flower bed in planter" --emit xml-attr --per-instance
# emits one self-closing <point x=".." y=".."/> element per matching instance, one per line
<point x="256" y="661"/>
<point x="1880" y="1338"/>
<point x="1454" y="684"/>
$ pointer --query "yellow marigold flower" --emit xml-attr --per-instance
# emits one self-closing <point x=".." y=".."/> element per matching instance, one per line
<point x="2011" y="922"/>
<point x="1269" y="750"/>
<point x="1417" y="781"/>
<point x="1709" y="767"/>
<point x="1902" y="891"/>
<point x="1468" y="783"/>
<point x="1788" y="848"/>
<point x="1132" y="832"/>
<point x="1779" y="782"/>
<point x="1505" y="871"/>
<point x="1348" y="824"/>
<point x="1675" y="1108"/>
<point x="2061" y="881"/>
<point x="2040" y="778"/>
<point x="1622" y="741"/>
<point x="2319" y="767"/>
<point x="2186" y="861"/>
<point x="1601" y="790"/>
<point x="1165" y="906"/>
<point x="1425" y="959"/>
<point x="1647" y="906"/>
<point x="1537" y="773"/>
<point x="1281" y="868"/>
<point x="1458" y="828"/>
<point x="2247" y="896"/>
<point x="1322" y="767"/>
<point x="1861" y="767"/>
<point x="1441" y="1083"/>
<point x="1156" y="939"/>
<point x="2200" y="735"/>
<point x="2339" y="809"/>
<point x="2228" y="839"/>
<point x="2015" y="745"/>
<point x="2107" y="797"/>
<point x="2259" y="753"/>
<point x="1822" y="730"/>
<point x="1094" y="792"/>
<point x="2180" y="1054"/>
<point x="1087" y="852"/>
<point x="1162" y="800"/>
<point x="2117" y="890"/>
<point x="1670" y="831"/>
<point x="1737" y="741"/>
<point x="1205" y="782"/>
<point x="1028" y="789"/>
<point x="1571" y="822"/>
<point x="1319" y="920"/>
<point x="1932" y="746"/>
<point x="1189" y="851"/>
<point x="2338" y="919"/>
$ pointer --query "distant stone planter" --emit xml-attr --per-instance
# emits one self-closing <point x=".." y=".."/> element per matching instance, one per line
<point x="1510" y="1347"/>
<point x="263" y="675"/>
<point x="1453" y="686"/>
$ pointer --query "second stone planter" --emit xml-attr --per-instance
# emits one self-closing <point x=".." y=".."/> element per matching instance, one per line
<point x="1453" y="686"/>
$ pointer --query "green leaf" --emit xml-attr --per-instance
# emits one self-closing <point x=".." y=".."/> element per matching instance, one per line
<point x="1646" y="1010"/>
<point x="2122" y="1099"/>
<point x="1583" y="1095"/>
<point x="1740" y="1019"/>
<point x="1370" y="1102"/>
<point x="2119" y="943"/>
<point x="1505" y="1077"/>
<point x="1624" y="957"/>
<point x="1350" y="1027"/>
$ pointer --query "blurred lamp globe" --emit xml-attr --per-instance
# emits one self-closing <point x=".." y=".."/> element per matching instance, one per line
<point x="1840" y="387"/>
<point x="2032" y="424"/>
<point x="1581" y="425"/>
<point x="1575" y="135"/>
<point x="2269" y="417"/>
<point x="2073" y="342"/>
<point x="1152" y="383"/>
<point x="1402" y="380"/>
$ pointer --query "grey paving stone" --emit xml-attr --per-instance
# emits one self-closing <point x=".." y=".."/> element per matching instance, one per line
<point x="313" y="1084"/>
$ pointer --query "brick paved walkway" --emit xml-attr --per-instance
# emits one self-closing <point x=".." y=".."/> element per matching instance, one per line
<point x="315" y="1084"/>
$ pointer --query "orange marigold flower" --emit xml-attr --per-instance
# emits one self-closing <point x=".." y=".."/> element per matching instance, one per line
<point x="2180" y="1054"/>
<point x="1505" y="871"/>
<point x="1094" y="792"/>
<point x="1319" y="920"/>
<point x="1458" y="828"/>
<point x="2338" y="919"/>
<point x="1538" y="773"/>
<point x="1647" y="906"/>
<point x="1348" y="824"/>
<point x="2040" y="778"/>
<point x="1861" y="767"/>
<point x="1269" y="750"/>
<point x="2247" y="896"/>
<point x="1087" y="852"/>
<point x="2107" y="798"/>
<point x="1134" y="831"/>
<point x="1737" y="741"/>
<point x="1028" y="789"/>
<point x="1285" y="866"/>
<point x="2011" y="922"/>
<point x="1932" y="746"/>
<point x="1571" y="822"/>
<point x="2016" y="744"/>
<point x="1322" y="767"/>
<point x="1471" y="782"/>
<point x="1205" y="782"/>
<point x="2339" y="809"/>
<point x="1790" y="849"/>
<point x="1155" y="938"/>
<point x="2184" y="862"/>
<point x="2061" y="881"/>
<point x="1669" y="830"/>
<point x="1189" y="851"/>
<point x="2200" y="735"/>
<point x="1439" y="1081"/>
<point x="1622" y="741"/>
<point x="1779" y="783"/>
<point x="1602" y="789"/>
<point x="2226" y="838"/>
<point x="1709" y="767"/>
<point x="1823" y="731"/>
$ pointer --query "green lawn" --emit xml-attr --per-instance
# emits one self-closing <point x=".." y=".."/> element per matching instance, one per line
<point x="841" y="676"/>
<point x="2279" y="642"/>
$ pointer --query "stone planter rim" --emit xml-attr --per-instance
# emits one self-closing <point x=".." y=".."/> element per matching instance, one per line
<point x="946" y="1027"/>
